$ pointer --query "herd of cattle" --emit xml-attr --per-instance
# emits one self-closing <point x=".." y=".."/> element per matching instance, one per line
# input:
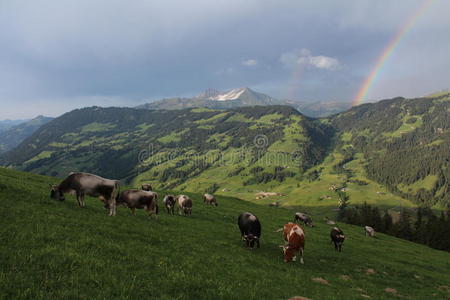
<point x="107" y="190"/>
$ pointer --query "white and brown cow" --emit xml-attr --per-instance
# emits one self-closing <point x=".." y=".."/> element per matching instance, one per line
<point x="369" y="231"/>
<point x="184" y="205"/>
<point x="82" y="184"/>
<point x="209" y="199"/>
<point x="294" y="236"/>
<point x="139" y="199"/>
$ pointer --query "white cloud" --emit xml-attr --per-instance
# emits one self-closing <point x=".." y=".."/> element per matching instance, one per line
<point x="304" y="57"/>
<point x="250" y="62"/>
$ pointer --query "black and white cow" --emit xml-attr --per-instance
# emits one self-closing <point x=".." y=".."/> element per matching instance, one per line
<point x="337" y="237"/>
<point x="250" y="228"/>
<point x="82" y="184"/>
<point x="303" y="218"/>
<point x="169" y="203"/>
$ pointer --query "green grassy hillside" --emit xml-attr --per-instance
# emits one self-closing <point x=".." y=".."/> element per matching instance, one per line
<point x="53" y="249"/>
<point x="392" y="153"/>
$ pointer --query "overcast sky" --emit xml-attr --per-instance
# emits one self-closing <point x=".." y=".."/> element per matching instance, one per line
<point x="59" y="55"/>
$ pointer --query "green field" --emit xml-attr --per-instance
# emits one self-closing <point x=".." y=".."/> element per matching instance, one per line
<point x="55" y="250"/>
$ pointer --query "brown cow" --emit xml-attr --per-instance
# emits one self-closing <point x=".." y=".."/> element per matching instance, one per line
<point x="139" y="199"/>
<point x="294" y="236"/>
<point x="209" y="199"/>
<point x="82" y="184"/>
<point x="184" y="205"/>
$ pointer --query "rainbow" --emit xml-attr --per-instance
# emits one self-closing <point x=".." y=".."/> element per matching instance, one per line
<point x="387" y="52"/>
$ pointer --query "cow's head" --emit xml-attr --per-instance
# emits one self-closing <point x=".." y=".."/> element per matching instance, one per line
<point x="251" y="240"/>
<point x="289" y="253"/>
<point x="55" y="193"/>
<point x="188" y="210"/>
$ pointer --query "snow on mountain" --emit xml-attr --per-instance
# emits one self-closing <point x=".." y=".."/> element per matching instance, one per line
<point x="230" y="95"/>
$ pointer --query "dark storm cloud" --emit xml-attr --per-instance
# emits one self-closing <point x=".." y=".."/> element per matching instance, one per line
<point x="58" y="55"/>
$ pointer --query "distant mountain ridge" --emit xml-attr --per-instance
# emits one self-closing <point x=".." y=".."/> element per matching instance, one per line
<point x="240" y="97"/>
<point x="6" y="124"/>
<point x="14" y="135"/>
<point x="214" y="99"/>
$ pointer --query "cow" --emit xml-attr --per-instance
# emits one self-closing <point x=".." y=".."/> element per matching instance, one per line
<point x="139" y="199"/>
<point x="337" y="237"/>
<point x="184" y="205"/>
<point x="303" y="218"/>
<point x="274" y="204"/>
<point x="169" y="203"/>
<point x="250" y="228"/>
<point x="209" y="199"/>
<point x="369" y="231"/>
<point x="82" y="184"/>
<point x="329" y="222"/>
<point x="146" y="187"/>
<point x="294" y="236"/>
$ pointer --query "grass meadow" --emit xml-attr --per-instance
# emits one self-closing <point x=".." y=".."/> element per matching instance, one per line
<point x="55" y="250"/>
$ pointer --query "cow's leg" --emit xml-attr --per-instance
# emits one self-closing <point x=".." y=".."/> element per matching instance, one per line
<point x="301" y="256"/>
<point x="257" y="243"/>
<point x="112" y="207"/>
<point x="133" y="211"/>
<point x="78" y="195"/>
<point x="82" y="199"/>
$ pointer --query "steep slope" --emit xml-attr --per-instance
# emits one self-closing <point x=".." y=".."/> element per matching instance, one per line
<point x="14" y="135"/>
<point x="215" y="99"/>
<point x="51" y="249"/>
<point x="403" y="144"/>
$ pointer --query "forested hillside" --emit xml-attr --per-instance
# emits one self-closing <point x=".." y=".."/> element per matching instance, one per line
<point x="14" y="135"/>
<point x="405" y="145"/>
<point x="391" y="153"/>
<point x="171" y="147"/>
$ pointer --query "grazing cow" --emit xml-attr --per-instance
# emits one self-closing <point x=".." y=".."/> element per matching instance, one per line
<point x="337" y="237"/>
<point x="139" y="199"/>
<point x="369" y="231"/>
<point x="184" y="205"/>
<point x="274" y="204"/>
<point x="329" y="222"/>
<point x="82" y="184"/>
<point x="250" y="229"/>
<point x="294" y="236"/>
<point x="169" y="203"/>
<point x="146" y="187"/>
<point x="303" y="218"/>
<point x="209" y="199"/>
